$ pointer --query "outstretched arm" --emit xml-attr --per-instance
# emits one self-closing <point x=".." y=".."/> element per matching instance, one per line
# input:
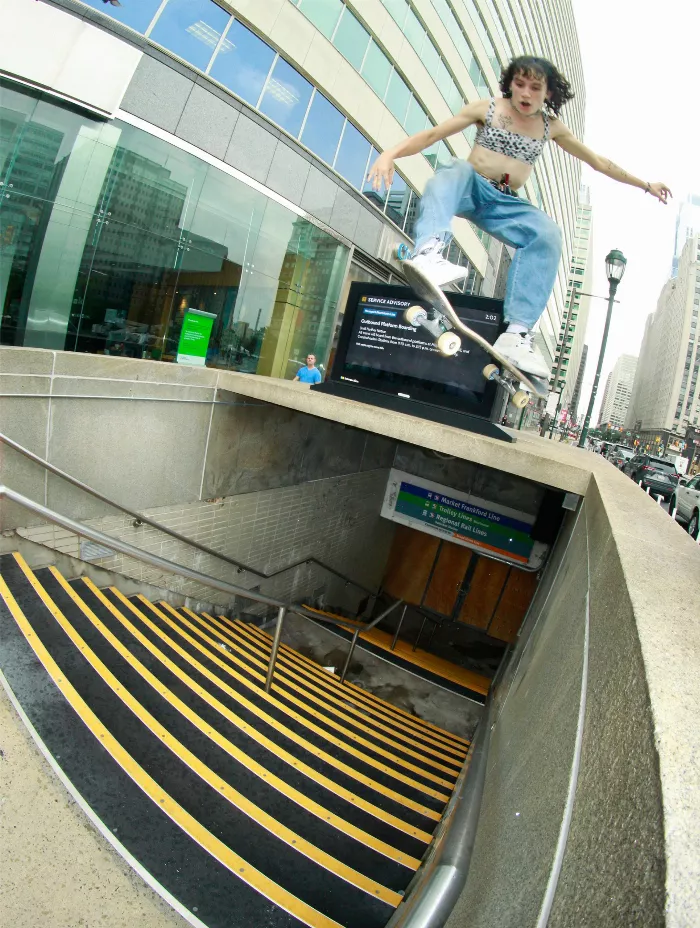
<point x="383" y="167"/>
<point x="567" y="140"/>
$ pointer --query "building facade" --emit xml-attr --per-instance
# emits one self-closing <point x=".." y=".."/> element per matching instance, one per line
<point x="618" y="389"/>
<point x="687" y="224"/>
<point x="666" y="394"/>
<point x="576" y="395"/>
<point x="166" y="155"/>
<point x="576" y="307"/>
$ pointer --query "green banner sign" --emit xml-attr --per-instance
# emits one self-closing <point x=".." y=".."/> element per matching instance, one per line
<point x="483" y="525"/>
<point x="194" y="337"/>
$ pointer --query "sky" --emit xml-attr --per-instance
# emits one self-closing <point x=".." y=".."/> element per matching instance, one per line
<point x="640" y="62"/>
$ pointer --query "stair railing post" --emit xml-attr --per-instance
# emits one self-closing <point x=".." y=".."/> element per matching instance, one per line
<point x="348" y="658"/>
<point x="281" y="612"/>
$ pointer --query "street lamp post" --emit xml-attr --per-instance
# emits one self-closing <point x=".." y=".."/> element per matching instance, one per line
<point x="615" y="264"/>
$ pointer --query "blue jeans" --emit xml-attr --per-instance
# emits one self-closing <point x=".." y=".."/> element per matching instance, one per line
<point x="457" y="190"/>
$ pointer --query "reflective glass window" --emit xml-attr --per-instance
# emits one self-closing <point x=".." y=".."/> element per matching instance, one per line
<point x="415" y="118"/>
<point x="412" y="215"/>
<point x="110" y="235"/>
<point x="397" y="96"/>
<point x="191" y="29"/>
<point x="352" y="157"/>
<point x="243" y="63"/>
<point x="454" y="100"/>
<point x="398" y="10"/>
<point x="414" y="31"/>
<point x="443" y="79"/>
<point x="378" y="197"/>
<point x="398" y="199"/>
<point x="322" y="128"/>
<point x="431" y="58"/>
<point x="286" y="97"/>
<point x="324" y="14"/>
<point x="351" y="38"/>
<point x="136" y="15"/>
<point x="376" y="69"/>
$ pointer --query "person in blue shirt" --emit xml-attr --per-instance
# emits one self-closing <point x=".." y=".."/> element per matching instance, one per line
<point x="310" y="373"/>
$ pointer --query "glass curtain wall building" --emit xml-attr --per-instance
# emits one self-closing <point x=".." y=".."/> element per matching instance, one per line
<point x="110" y="231"/>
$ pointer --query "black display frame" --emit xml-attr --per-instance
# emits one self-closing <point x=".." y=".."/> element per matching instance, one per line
<point x="402" y="392"/>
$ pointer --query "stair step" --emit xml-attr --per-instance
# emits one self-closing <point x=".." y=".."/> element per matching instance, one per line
<point x="294" y="808"/>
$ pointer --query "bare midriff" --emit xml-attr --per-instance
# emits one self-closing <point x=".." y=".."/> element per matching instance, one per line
<point x="493" y="166"/>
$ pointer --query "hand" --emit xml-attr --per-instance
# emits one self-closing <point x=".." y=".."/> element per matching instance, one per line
<point x="382" y="170"/>
<point x="660" y="191"/>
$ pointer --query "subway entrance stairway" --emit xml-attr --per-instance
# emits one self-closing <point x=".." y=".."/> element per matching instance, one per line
<point x="313" y="805"/>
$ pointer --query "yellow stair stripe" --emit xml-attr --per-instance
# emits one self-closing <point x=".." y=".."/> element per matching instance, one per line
<point x="254" y="734"/>
<point x="360" y="694"/>
<point x="300" y="704"/>
<point x="229" y="792"/>
<point x="288" y="732"/>
<point x="280" y="785"/>
<point x="432" y="744"/>
<point x="288" y="677"/>
<point x="216" y="848"/>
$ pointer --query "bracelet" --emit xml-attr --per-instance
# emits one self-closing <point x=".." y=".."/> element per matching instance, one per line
<point x="647" y="189"/>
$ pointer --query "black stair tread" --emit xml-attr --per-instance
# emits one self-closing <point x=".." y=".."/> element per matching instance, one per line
<point x="217" y="662"/>
<point x="307" y="787"/>
<point x="263" y="713"/>
<point x="327" y="687"/>
<point x="363" y="696"/>
<point x="171" y="857"/>
<point x="313" y="688"/>
<point x="363" y="700"/>
<point x="306" y="879"/>
<point x="329" y="705"/>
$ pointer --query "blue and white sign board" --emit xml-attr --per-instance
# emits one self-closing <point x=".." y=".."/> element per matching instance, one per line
<point x="483" y="525"/>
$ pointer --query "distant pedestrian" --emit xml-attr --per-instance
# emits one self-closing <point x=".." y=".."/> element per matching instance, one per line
<point x="310" y="373"/>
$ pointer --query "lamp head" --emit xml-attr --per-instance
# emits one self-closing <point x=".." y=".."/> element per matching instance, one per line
<point x="615" y="264"/>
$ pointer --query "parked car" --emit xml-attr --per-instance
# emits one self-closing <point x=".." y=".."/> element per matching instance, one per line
<point x="686" y="499"/>
<point x="619" y="455"/>
<point x="648" y="471"/>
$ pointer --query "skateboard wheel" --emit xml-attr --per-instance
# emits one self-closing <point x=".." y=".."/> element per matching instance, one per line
<point x="491" y="371"/>
<point x="415" y="315"/>
<point x="448" y="344"/>
<point x="520" y="399"/>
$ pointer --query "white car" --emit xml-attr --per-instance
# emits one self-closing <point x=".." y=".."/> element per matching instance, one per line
<point x="686" y="499"/>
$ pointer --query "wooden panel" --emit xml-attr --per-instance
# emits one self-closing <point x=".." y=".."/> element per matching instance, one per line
<point x="520" y="588"/>
<point x="484" y="590"/>
<point x="410" y="561"/>
<point x="447" y="578"/>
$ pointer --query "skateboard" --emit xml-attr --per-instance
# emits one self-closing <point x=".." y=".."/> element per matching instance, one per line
<point x="441" y="327"/>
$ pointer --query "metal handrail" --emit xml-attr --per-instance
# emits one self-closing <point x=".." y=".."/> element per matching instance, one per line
<point x="239" y="565"/>
<point x="438" y="883"/>
<point x="365" y="628"/>
<point x="170" y="566"/>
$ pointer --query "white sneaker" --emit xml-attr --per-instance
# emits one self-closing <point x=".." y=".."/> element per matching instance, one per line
<point x="436" y="268"/>
<point x="520" y="351"/>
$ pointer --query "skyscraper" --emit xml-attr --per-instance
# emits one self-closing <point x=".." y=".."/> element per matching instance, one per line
<point x="666" y="394"/>
<point x="618" y="389"/>
<point x="263" y="114"/>
<point x="687" y="224"/>
<point x="577" y="305"/>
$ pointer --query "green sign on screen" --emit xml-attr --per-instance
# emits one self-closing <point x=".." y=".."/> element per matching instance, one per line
<point x="194" y="337"/>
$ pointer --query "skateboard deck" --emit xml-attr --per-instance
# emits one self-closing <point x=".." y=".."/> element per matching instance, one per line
<point x="448" y="343"/>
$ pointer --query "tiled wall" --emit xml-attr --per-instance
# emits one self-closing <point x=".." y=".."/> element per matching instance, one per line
<point x="335" y="519"/>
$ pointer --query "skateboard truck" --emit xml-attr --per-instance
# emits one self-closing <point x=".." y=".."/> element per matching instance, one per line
<point x="446" y="341"/>
<point x="519" y="398"/>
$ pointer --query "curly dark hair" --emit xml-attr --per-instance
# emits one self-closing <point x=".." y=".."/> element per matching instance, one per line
<point x="529" y="66"/>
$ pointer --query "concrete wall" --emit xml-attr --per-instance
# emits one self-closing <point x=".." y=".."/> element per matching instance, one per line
<point x="587" y="815"/>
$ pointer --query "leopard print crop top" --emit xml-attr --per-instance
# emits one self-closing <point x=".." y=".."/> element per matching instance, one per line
<point x="511" y="144"/>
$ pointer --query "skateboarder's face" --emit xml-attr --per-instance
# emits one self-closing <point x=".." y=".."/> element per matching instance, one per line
<point x="529" y="91"/>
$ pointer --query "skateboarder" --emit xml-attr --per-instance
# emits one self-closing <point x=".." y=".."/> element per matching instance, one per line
<point x="512" y="133"/>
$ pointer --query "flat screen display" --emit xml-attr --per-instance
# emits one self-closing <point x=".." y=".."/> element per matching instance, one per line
<point x="378" y="349"/>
